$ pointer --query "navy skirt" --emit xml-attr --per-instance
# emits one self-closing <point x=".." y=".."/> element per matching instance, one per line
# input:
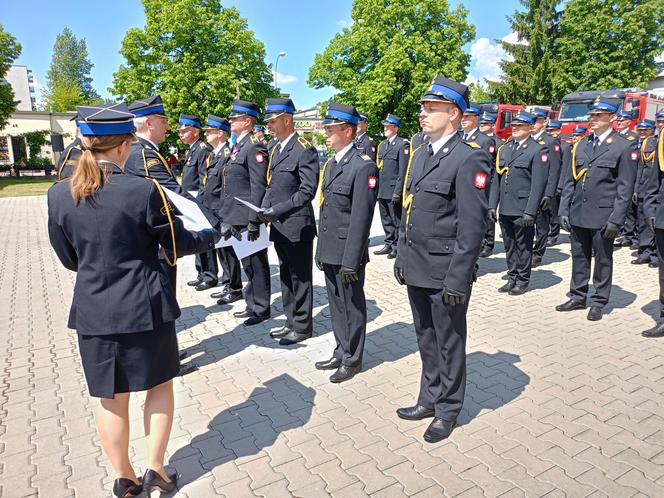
<point x="121" y="363"/>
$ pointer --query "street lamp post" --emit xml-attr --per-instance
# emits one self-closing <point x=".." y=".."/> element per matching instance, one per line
<point x="276" y="63"/>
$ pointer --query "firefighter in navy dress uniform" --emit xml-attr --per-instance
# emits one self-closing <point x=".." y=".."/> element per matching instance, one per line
<point x="442" y="226"/>
<point x="553" y="128"/>
<point x="653" y="207"/>
<point x="363" y="142"/>
<point x="292" y="179"/>
<point x="487" y="126"/>
<point x="68" y="158"/>
<point x="349" y="183"/>
<point x="108" y="228"/>
<point x="393" y="154"/>
<point x="629" y="236"/>
<point x="245" y="177"/>
<point x="647" y="253"/>
<point x="594" y="204"/>
<point x="216" y="132"/>
<point x="522" y="166"/>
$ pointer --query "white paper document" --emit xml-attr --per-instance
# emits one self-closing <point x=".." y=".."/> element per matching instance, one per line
<point x="191" y="215"/>
<point x="250" y="205"/>
<point x="244" y="248"/>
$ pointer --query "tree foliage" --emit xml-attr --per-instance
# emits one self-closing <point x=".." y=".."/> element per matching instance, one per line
<point x="478" y="92"/>
<point x="386" y="59"/>
<point x="10" y="49"/>
<point x="196" y="55"/>
<point x="608" y="44"/>
<point x="68" y="79"/>
<point x="527" y="73"/>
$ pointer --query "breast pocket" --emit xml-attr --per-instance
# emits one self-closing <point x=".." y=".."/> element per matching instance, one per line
<point x="342" y="196"/>
<point x="435" y="196"/>
<point x="286" y="174"/>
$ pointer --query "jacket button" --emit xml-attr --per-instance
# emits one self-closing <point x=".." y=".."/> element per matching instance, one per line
<point x="410" y="242"/>
<point x="410" y="225"/>
<point x="324" y="216"/>
<point x="584" y="200"/>
<point x="324" y="229"/>
<point x="417" y="189"/>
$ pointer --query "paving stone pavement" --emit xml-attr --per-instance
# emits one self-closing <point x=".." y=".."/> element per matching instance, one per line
<point x="555" y="405"/>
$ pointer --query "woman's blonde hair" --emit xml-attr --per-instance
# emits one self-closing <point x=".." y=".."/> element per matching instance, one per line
<point x="88" y="177"/>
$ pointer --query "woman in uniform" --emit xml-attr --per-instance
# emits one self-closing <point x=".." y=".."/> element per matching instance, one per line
<point x="108" y="227"/>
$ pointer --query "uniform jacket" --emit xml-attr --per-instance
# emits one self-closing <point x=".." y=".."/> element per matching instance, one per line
<point x="68" y="158"/>
<point x="349" y="192"/>
<point x="565" y="165"/>
<point x="647" y="147"/>
<point x="366" y="145"/>
<point x="555" y="160"/>
<point x="519" y="190"/>
<point x="293" y="182"/>
<point x="653" y="202"/>
<point x="440" y="239"/>
<point x="214" y="180"/>
<point x="605" y="192"/>
<point x="418" y="139"/>
<point x="111" y="241"/>
<point x="392" y="163"/>
<point x="245" y="178"/>
<point x="485" y="142"/>
<point x="195" y="166"/>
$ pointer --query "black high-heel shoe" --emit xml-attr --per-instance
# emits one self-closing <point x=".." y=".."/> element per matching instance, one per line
<point x="125" y="488"/>
<point x="152" y="480"/>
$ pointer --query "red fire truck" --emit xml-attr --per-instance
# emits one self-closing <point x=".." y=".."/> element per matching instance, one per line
<point x="503" y="114"/>
<point x="574" y="107"/>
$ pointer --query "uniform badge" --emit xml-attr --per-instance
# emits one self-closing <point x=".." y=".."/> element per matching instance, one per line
<point x="406" y="151"/>
<point x="480" y="180"/>
<point x="544" y="158"/>
<point x="373" y="148"/>
<point x="446" y="150"/>
<point x="556" y="147"/>
<point x="260" y="158"/>
<point x="609" y="140"/>
<point x="635" y="155"/>
<point x="372" y="182"/>
<point x="492" y="149"/>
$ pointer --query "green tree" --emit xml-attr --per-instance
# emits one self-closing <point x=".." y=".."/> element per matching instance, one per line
<point x="608" y="44"/>
<point x="527" y="72"/>
<point x="479" y="92"/>
<point x="10" y="49"/>
<point x="386" y="59"/>
<point x="196" y="55"/>
<point x="68" y="79"/>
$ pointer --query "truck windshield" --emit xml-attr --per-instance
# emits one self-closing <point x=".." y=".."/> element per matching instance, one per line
<point x="574" y="111"/>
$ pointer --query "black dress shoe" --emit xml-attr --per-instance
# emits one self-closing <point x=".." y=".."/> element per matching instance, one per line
<point x="217" y="295"/>
<point x="392" y="255"/>
<point x="124" y="488"/>
<point x="152" y="480"/>
<point x="279" y="333"/>
<point x="634" y="246"/>
<point x="294" y="337"/>
<point x="595" y="313"/>
<point x="255" y="319"/>
<point x="653" y="264"/>
<point x="438" y="430"/>
<point x="486" y="252"/>
<point x="517" y="290"/>
<point x="640" y="261"/>
<point x="507" y="287"/>
<point x="536" y="262"/>
<point x="205" y="286"/>
<point x="383" y="250"/>
<point x="344" y="373"/>
<point x="331" y="364"/>
<point x="242" y="314"/>
<point x="194" y="283"/>
<point x="656" y="331"/>
<point x="571" y="305"/>
<point x="416" y="412"/>
<point x="230" y="297"/>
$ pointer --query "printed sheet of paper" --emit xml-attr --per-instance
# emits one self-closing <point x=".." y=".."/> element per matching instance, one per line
<point x="250" y="205"/>
<point x="244" y="248"/>
<point x="191" y="215"/>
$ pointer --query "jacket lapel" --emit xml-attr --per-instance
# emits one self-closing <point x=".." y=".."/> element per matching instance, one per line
<point x="337" y="168"/>
<point x="281" y="155"/>
<point x="603" y="147"/>
<point x="431" y="164"/>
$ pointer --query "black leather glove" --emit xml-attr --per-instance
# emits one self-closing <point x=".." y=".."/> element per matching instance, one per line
<point x="651" y="223"/>
<point x="526" y="221"/>
<point x="253" y="231"/>
<point x="452" y="297"/>
<point x="545" y="204"/>
<point x="493" y="216"/>
<point x="564" y="223"/>
<point x="268" y="215"/>
<point x="396" y="200"/>
<point x="610" y="230"/>
<point x="319" y="264"/>
<point x="398" y="274"/>
<point x="559" y="193"/>
<point x="348" y="275"/>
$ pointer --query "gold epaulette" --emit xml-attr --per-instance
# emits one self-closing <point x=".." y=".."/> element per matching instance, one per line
<point x="152" y="162"/>
<point x="630" y="137"/>
<point x="365" y="157"/>
<point x="541" y="142"/>
<point x="203" y="145"/>
<point x="254" y="139"/>
<point x="474" y="145"/>
<point x="303" y="142"/>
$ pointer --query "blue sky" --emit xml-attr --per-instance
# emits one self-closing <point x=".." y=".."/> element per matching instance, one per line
<point x="298" y="27"/>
